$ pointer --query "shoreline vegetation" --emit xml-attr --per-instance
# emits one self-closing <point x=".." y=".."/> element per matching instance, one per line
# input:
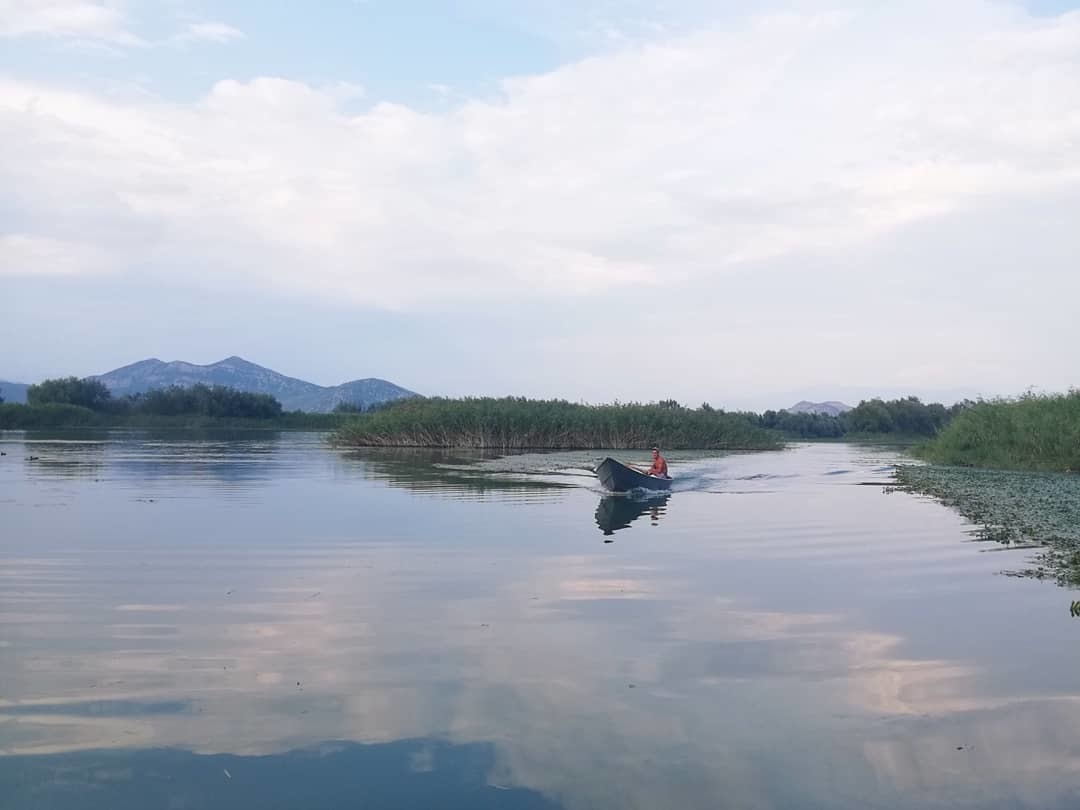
<point x="1009" y="466"/>
<point x="63" y="417"/>
<point x="512" y="423"/>
<point x="517" y="423"/>
<point x="75" y="403"/>
<point x="1006" y="464"/>
<point x="508" y="423"/>
<point x="1030" y="432"/>
<point x="1038" y="432"/>
<point x="1016" y="508"/>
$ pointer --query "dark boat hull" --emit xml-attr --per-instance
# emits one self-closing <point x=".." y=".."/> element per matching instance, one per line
<point x="617" y="477"/>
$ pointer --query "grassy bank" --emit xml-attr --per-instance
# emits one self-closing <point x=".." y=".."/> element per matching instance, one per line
<point x="521" y="424"/>
<point x="57" y="415"/>
<point x="1032" y="432"/>
<point x="1012" y="507"/>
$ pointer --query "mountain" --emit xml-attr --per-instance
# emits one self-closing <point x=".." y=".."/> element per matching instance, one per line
<point x="12" y="391"/>
<point x="235" y="372"/>
<point x="831" y="408"/>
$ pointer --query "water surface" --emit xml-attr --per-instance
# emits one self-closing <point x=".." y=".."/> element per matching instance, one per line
<point x="258" y="620"/>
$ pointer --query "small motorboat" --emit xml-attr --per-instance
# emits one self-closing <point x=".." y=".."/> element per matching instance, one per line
<point x="618" y="477"/>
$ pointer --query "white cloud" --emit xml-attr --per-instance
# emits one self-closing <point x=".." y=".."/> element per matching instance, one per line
<point x="25" y="254"/>
<point x="217" y="32"/>
<point x="681" y="158"/>
<point x="80" y="19"/>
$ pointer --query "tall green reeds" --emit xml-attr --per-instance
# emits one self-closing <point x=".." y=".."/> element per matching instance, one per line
<point x="1031" y="432"/>
<point x="513" y="423"/>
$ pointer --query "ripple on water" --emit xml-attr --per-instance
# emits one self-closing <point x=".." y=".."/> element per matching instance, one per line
<point x="285" y="620"/>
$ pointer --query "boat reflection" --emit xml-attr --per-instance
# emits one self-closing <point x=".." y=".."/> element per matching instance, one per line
<point x="616" y="512"/>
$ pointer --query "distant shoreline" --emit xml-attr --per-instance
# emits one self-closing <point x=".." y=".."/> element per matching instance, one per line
<point x="63" y="417"/>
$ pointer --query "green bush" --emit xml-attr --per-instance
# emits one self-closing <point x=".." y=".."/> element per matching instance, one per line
<point x="217" y="401"/>
<point x="1031" y="432"/>
<point x="908" y="416"/>
<point x="87" y="393"/>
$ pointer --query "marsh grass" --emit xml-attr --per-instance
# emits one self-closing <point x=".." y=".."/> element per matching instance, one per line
<point x="523" y="424"/>
<point x="1031" y="432"/>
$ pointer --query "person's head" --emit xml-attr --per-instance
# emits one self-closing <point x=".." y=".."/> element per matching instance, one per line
<point x="655" y="452"/>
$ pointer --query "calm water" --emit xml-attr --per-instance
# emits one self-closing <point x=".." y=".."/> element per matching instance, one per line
<point x="264" y="622"/>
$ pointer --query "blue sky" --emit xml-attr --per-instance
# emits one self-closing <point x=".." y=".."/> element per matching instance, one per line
<point x="592" y="200"/>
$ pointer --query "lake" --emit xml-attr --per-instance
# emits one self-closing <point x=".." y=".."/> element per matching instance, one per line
<point x="260" y="620"/>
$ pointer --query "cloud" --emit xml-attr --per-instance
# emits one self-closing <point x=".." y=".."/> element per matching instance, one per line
<point x="217" y="32"/>
<point x="23" y="254"/>
<point x="79" y="19"/>
<point x="681" y="158"/>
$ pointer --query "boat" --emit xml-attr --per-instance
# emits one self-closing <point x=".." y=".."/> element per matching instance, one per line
<point x="618" y="477"/>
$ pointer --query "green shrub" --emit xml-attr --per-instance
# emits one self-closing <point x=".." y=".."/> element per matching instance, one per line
<point x="1031" y="432"/>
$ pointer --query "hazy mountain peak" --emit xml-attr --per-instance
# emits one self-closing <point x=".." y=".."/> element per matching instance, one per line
<point x="236" y="372"/>
<point x="831" y="408"/>
<point x="13" y="392"/>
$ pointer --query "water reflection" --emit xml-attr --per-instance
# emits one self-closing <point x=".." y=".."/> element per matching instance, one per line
<point x="232" y="457"/>
<point x="406" y="774"/>
<point x="834" y="649"/>
<point x="615" y="512"/>
<point x="453" y="472"/>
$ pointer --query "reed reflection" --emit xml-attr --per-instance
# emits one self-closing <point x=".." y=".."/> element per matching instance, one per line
<point x="214" y="457"/>
<point x="457" y="473"/>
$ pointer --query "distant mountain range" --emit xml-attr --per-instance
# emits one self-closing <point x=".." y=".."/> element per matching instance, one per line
<point x="13" y="391"/>
<point x="238" y="373"/>
<point x="830" y="408"/>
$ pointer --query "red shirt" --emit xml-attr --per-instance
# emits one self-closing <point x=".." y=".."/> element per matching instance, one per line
<point x="659" y="467"/>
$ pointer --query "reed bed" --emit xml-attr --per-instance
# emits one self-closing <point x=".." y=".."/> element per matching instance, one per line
<point x="513" y="423"/>
<point x="1031" y="432"/>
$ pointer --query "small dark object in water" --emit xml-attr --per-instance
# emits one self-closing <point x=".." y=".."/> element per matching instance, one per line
<point x="33" y="458"/>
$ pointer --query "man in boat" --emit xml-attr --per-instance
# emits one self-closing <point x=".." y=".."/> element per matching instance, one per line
<point x="659" y="466"/>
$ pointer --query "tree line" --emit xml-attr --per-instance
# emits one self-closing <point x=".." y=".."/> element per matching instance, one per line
<point x="215" y="401"/>
<point x="510" y="421"/>
<point x="908" y="416"/>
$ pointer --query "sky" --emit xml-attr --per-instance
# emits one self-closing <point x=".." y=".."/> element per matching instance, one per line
<point x="592" y="200"/>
